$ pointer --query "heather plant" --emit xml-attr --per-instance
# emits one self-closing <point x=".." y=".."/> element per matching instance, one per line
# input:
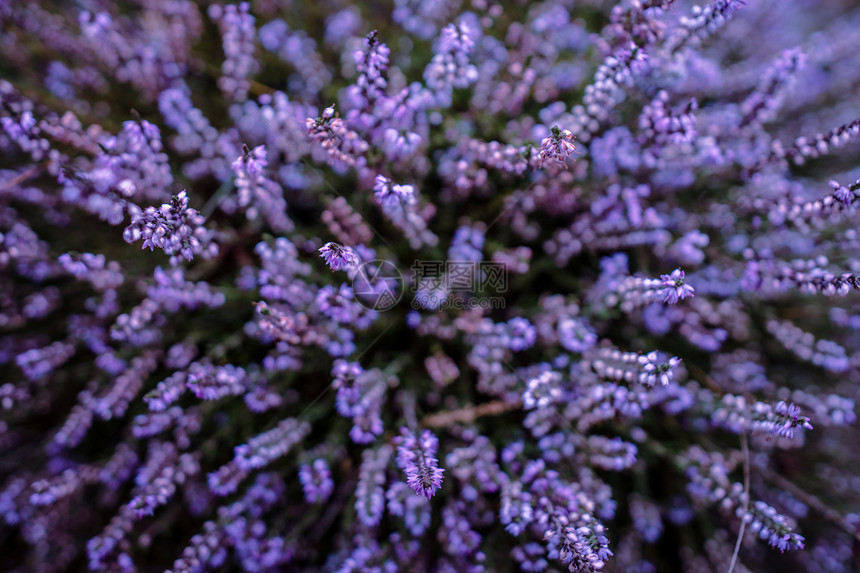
<point x="429" y="285"/>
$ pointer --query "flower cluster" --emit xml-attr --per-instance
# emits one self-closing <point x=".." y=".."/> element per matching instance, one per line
<point x="338" y="257"/>
<point x="175" y="228"/>
<point x="416" y="457"/>
<point x="775" y="420"/>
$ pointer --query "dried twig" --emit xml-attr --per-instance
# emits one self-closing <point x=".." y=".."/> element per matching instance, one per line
<point x="467" y="414"/>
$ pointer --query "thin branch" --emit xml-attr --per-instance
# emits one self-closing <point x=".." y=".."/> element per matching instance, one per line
<point x="19" y="178"/>
<point x="467" y="414"/>
<point x="812" y="501"/>
<point x="215" y="200"/>
<point x="745" y="449"/>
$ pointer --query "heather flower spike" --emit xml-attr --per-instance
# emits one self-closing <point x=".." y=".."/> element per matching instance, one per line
<point x="338" y="257"/>
<point x="416" y="457"/>
<point x="773" y="420"/>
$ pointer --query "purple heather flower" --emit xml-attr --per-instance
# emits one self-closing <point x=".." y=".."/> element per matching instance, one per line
<point x="340" y="26"/>
<point x="575" y="334"/>
<point x="703" y="22"/>
<point x="581" y="544"/>
<point x="238" y="33"/>
<point x="415" y="510"/>
<point x="258" y="194"/>
<point x="338" y="257"/>
<point x="360" y="396"/>
<point x="653" y="371"/>
<point x="370" y="492"/>
<point x="674" y="287"/>
<point x="821" y="352"/>
<point x="345" y="148"/>
<point x="253" y="161"/>
<point x="371" y="63"/>
<point x="780" y="420"/>
<point x="316" y="481"/>
<point x="39" y="362"/>
<point x="556" y="148"/>
<point x="450" y="67"/>
<point x="416" y="457"/>
<point x="519" y="334"/>
<point x="175" y="228"/>
<point x="542" y="391"/>
<point x="298" y="49"/>
<point x="773" y="527"/>
<point x="786" y="541"/>
<point x="646" y="518"/>
<point x="209" y="382"/>
<point x="389" y="193"/>
<point x="611" y="453"/>
<point x="466" y="245"/>
<point x="260" y="450"/>
<point x="407" y="215"/>
<point x="157" y="480"/>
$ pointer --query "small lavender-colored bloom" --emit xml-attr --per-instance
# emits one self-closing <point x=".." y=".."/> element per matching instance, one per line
<point x="674" y="287"/>
<point x="253" y="160"/>
<point x="360" y="396"/>
<point x="516" y="511"/>
<point x="574" y="334"/>
<point x="786" y="541"/>
<point x="779" y="420"/>
<point x="653" y="371"/>
<point x="166" y="392"/>
<point x="556" y="148"/>
<point x="157" y="480"/>
<point x="580" y="543"/>
<point x="406" y="214"/>
<point x="39" y="362"/>
<point x="338" y="257"/>
<point x="542" y="391"/>
<point x="611" y="453"/>
<point x="316" y="481"/>
<point x="519" y="333"/>
<point x="389" y="193"/>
